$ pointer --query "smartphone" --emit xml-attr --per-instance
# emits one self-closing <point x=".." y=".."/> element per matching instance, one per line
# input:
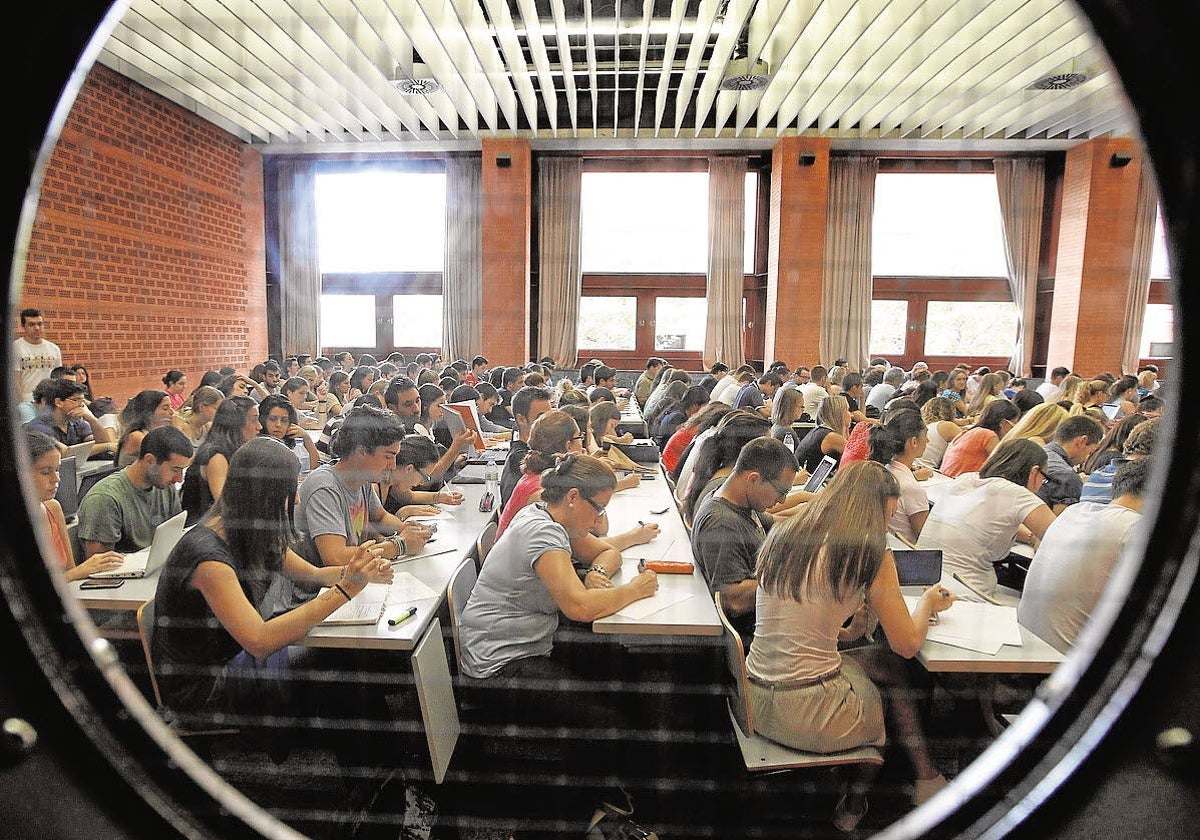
<point x="102" y="583"/>
<point x="486" y="503"/>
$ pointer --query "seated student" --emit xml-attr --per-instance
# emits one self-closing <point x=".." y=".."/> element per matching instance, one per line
<point x="815" y="390"/>
<point x="1139" y="444"/>
<point x="478" y="371"/>
<point x="296" y="390"/>
<point x="1075" y="439"/>
<point x="403" y="398"/>
<point x="956" y="392"/>
<point x="44" y="459"/>
<point x="677" y="445"/>
<point x="940" y="428"/>
<point x="852" y="390"/>
<point x="667" y="396"/>
<point x="339" y="508"/>
<point x="1122" y="397"/>
<point x="475" y="394"/>
<point x="645" y="382"/>
<point x="418" y="455"/>
<point x="878" y="396"/>
<point x="65" y="418"/>
<point x="829" y="436"/>
<point x="727" y="388"/>
<point x="1039" y="424"/>
<point x="528" y="404"/>
<point x="675" y="413"/>
<point x="84" y="378"/>
<point x="758" y="395"/>
<point x="606" y="377"/>
<point x="122" y="510"/>
<point x="277" y="419"/>
<point x="509" y="621"/>
<point x="976" y="522"/>
<point x="991" y="387"/>
<point x="729" y="527"/>
<point x="713" y="378"/>
<point x="897" y="443"/>
<point x="813" y="573"/>
<point x="145" y="411"/>
<point x="786" y="409"/>
<point x="175" y="384"/>
<point x="235" y="423"/>
<point x="967" y="452"/>
<point x="1112" y="444"/>
<point x="1076" y="557"/>
<point x="195" y="416"/>
<point x="216" y="654"/>
<point x="508" y="381"/>
<point x="669" y="377"/>
<point x="602" y="420"/>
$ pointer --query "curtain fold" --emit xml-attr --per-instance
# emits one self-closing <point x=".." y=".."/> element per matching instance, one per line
<point x="724" y="337"/>
<point x="560" y="282"/>
<point x="1021" y="183"/>
<point x="299" y="266"/>
<point x="1139" y="270"/>
<point x="462" y="274"/>
<point x="846" y="296"/>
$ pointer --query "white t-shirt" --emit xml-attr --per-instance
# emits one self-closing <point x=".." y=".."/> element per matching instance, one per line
<point x="32" y="363"/>
<point x="813" y="394"/>
<point x="974" y="524"/>
<point x="726" y="390"/>
<point x="1070" y="569"/>
<point x="1049" y="391"/>
<point x="912" y="500"/>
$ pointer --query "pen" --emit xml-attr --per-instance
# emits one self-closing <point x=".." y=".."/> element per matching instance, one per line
<point x="403" y="617"/>
<point x="641" y="565"/>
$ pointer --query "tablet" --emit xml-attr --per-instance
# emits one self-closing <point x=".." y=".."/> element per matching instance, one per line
<point x="820" y="474"/>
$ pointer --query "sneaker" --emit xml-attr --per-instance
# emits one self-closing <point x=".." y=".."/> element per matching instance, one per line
<point x="846" y="821"/>
<point x="924" y="789"/>
<point x="610" y="823"/>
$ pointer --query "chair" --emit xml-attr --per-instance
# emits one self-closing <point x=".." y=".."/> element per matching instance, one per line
<point x="759" y="754"/>
<point x="484" y="543"/>
<point x="457" y="593"/>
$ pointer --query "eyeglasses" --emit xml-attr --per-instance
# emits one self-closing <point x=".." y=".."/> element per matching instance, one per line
<point x="781" y="492"/>
<point x="600" y="511"/>
<point x="425" y="477"/>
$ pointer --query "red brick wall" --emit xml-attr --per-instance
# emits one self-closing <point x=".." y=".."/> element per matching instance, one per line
<point x="146" y="252"/>
<point x="507" y="199"/>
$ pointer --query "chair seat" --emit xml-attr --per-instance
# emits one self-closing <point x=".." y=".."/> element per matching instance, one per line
<point x="762" y="755"/>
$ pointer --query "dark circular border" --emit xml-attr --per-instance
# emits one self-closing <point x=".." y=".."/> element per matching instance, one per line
<point x="1084" y="761"/>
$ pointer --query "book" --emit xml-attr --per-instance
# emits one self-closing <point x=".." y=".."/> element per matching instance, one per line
<point x="464" y="415"/>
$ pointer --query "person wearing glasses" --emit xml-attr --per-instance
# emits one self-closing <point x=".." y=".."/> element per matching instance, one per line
<point x="508" y="625"/>
<point x="339" y="508"/>
<point x="414" y="468"/>
<point x="976" y="521"/>
<point x="730" y="527"/>
<point x="63" y="415"/>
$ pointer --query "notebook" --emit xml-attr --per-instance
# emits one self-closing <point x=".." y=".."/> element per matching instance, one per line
<point x="817" y="479"/>
<point x="140" y="564"/>
<point x="68" y="488"/>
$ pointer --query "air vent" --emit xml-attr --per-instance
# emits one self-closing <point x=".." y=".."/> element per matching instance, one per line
<point x="415" y="82"/>
<point x="743" y="74"/>
<point x="1060" y="81"/>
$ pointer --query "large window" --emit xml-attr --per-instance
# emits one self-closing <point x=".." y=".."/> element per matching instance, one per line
<point x="418" y="320"/>
<point x="1160" y="266"/>
<point x="1158" y="330"/>
<point x="347" y="321"/>
<point x="889" y="326"/>
<point x="680" y="323"/>
<point x="607" y="323"/>
<point x="970" y="328"/>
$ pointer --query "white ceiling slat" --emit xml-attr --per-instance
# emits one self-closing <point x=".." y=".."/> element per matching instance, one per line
<point x="737" y="12"/>
<point x="834" y="64"/>
<point x="706" y="15"/>
<point x="590" y="49"/>
<point x="470" y="18"/>
<point x="802" y="30"/>
<point x="146" y="45"/>
<point x="616" y="67"/>
<point x="647" y="16"/>
<point x="678" y="7"/>
<point x="765" y="21"/>
<point x="224" y="72"/>
<point x="463" y="63"/>
<point x="541" y="60"/>
<point x="1103" y="92"/>
<point x="1028" y="51"/>
<point x="953" y="32"/>
<point x="562" y="39"/>
<point x="510" y="48"/>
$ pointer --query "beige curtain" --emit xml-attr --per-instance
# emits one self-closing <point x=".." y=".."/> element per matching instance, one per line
<point x="299" y="267"/>
<point x="846" y="303"/>
<point x="1021" y="186"/>
<point x="1139" y="270"/>
<point x="724" y="335"/>
<point x="560" y="282"/>
<point x="462" y="276"/>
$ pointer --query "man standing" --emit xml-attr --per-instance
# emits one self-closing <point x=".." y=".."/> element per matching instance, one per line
<point x="1074" y="440"/>
<point x="728" y="529"/>
<point x="123" y="509"/>
<point x="65" y="417"/>
<point x="645" y="382"/>
<point x="1051" y="389"/>
<point x="528" y="404"/>
<point x="33" y="356"/>
<point x="1076" y="557"/>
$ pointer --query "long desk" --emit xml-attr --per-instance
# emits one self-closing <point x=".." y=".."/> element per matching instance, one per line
<point x="632" y="421"/>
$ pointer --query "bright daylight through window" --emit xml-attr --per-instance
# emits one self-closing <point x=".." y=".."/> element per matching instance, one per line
<point x="381" y="220"/>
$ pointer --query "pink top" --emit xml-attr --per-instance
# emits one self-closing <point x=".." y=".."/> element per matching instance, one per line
<point x="528" y="484"/>
<point x="177" y="400"/>
<point x="856" y="445"/>
<point x="57" y="538"/>
<point x="967" y="452"/>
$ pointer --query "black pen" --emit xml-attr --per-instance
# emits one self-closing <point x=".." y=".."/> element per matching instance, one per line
<point x="403" y="617"/>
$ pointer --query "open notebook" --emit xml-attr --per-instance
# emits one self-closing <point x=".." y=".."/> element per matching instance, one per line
<point x="370" y="605"/>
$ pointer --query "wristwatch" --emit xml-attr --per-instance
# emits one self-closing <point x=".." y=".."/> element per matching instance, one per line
<point x="600" y="569"/>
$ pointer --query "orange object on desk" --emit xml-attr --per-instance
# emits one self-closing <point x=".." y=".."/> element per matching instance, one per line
<point x="667" y="567"/>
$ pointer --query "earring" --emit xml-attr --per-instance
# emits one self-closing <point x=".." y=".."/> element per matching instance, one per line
<point x="571" y="505"/>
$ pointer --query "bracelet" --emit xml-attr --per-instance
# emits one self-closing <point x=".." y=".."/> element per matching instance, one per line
<point x="338" y="587"/>
<point x="600" y="569"/>
<point x="401" y="548"/>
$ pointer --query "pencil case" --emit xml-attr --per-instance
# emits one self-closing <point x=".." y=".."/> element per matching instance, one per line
<point x="670" y="567"/>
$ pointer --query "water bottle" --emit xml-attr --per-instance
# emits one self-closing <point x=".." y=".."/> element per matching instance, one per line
<point x="491" y="475"/>
<point x="789" y="440"/>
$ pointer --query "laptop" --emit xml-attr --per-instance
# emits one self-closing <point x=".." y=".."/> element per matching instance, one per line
<point x="820" y="474"/>
<point x="918" y="566"/>
<point x="80" y="451"/>
<point x="1111" y="410"/>
<point x="140" y="564"/>
<point x="68" y="488"/>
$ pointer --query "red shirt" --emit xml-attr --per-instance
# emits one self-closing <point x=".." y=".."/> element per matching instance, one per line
<point x="857" y="446"/>
<point x="675" y="446"/>
<point x="529" y="484"/>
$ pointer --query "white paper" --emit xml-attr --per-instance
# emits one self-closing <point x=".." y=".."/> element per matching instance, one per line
<point x="656" y="549"/>
<point x="660" y="600"/>
<point x="405" y="588"/>
<point x="428" y="551"/>
<point x="980" y="627"/>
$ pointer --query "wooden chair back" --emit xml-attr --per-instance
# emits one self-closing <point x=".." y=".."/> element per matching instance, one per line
<point x="145" y="628"/>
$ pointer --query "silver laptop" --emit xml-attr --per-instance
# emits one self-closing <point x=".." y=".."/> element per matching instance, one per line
<point x="80" y="451"/>
<point x="140" y="564"/>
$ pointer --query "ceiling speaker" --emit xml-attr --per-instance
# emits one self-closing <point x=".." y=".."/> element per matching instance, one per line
<point x="504" y="161"/>
<point x="1120" y="160"/>
<point x="742" y="74"/>
<point x="807" y="158"/>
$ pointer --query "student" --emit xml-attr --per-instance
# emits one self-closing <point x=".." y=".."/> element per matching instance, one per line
<point x="195" y="416"/>
<point x="815" y="390"/>
<point x="360" y="381"/>
<point x="1051" y="389"/>
<point x="710" y="380"/>
<point x="897" y="443"/>
<point x="296" y="390"/>
<point x="65" y="418"/>
<point x="977" y="520"/>
<point x="403" y="398"/>
<point x="602" y="420"/>
<point x="122" y="510"/>
<point x="728" y="528"/>
<point x="147" y="410"/>
<point x="727" y="389"/>
<point x="475" y="394"/>
<point x="813" y="572"/>
<point x="1075" y="439"/>
<point x="991" y="386"/>
<point x="417" y="456"/>
<point x="1123" y="396"/>
<point x="1039" y="424"/>
<point x="940" y="428"/>
<point x="645" y="382"/>
<point x="829" y="436"/>
<point x="678" y="444"/>
<point x="277" y="419"/>
<point x="879" y="395"/>
<point x="478" y="371"/>
<point x="717" y="456"/>
<point x="967" y="452"/>
<point x="508" y="624"/>
<point x="234" y="424"/>
<point x="1139" y="444"/>
<point x="528" y="404"/>
<point x="175" y="383"/>
<point x="786" y="409"/>
<point x="44" y="460"/>
<point x="1076" y="557"/>
<point x="33" y="355"/>
<point x="758" y="396"/>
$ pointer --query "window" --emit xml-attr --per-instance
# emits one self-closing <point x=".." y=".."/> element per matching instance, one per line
<point x="680" y="323"/>
<point x="937" y="225"/>
<point x="417" y="320"/>
<point x="970" y="328"/>
<point x="607" y="323"/>
<point x="347" y="321"/>
<point x="378" y="220"/>
<point x="1160" y="266"/>
<point x="889" y="327"/>
<point x="644" y="222"/>
<point x="1157" y="329"/>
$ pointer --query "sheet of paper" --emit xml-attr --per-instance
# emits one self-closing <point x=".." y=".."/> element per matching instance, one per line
<point x="405" y="589"/>
<point x="659" y="601"/>
<point x="980" y="627"/>
<point x="656" y="549"/>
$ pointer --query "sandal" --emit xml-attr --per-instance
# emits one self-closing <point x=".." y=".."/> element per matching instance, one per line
<point x="612" y="823"/>
<point x="846" y="821"/>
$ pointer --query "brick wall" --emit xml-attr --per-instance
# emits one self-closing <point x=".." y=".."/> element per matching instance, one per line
<point x="146" y="251"/>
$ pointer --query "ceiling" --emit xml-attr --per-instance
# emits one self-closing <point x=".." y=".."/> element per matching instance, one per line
<point x="318" y="73"/>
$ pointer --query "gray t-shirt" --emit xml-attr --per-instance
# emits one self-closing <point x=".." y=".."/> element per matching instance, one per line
<point x="116" y="512"/>
<point x="725" y="542"/>
<point x="510" y="614"/>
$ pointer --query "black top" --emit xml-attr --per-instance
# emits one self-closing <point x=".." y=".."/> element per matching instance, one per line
<point x="512" y="471"/>
<point x="196" y="497"/>
<point x="808" y="450"/>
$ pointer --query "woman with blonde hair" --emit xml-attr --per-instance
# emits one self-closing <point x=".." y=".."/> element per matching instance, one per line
<point x="194" y="417"/>
<point x="1090" y="395"/>
<point x="939" y="415"/>
<point x="829" y="436"/>
<point x="991" y="385"/>
<point x="1070" y="389"/>
<point x="1039" y="424"/>
<point x="819" y="573"/>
